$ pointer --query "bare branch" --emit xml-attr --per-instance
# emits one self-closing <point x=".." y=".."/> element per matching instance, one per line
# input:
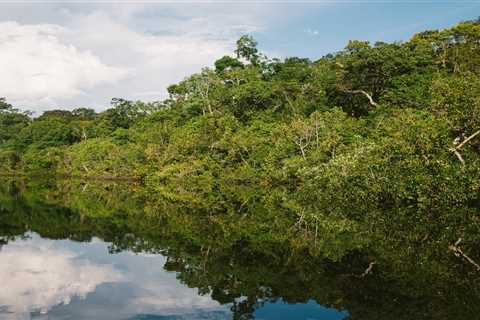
<point x="368" y="270"/>
<point x="459" y="252"/>
<point x="302" y="147"/>
<point x="467" y="140"/>
<point x="464" y="142"/>
<point x="366" y="94"/>
<point x="459" y="156"/>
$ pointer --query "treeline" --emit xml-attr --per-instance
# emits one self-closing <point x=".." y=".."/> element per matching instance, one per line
<point x="369" y="128"/>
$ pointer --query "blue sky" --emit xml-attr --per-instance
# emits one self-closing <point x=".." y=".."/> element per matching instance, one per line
<point x="325" y="28"/>
<point x="64" y="54"/>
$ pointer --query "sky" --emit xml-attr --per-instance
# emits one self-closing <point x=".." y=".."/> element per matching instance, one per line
<point x="64" y="279"/>
<point x="68" y="54"/>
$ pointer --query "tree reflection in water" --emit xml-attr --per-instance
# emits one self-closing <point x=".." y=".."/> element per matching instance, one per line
<point x="226" y="257"/>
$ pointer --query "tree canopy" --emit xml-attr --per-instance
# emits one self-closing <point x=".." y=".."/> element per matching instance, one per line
<point x="326" y="145"/>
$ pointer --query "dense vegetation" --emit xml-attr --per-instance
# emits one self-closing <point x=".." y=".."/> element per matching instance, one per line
<point x="361" y="142"/>
<point x="412" y="279"/>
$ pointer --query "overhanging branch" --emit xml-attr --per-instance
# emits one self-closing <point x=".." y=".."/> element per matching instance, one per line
<point x="459" y="253"/>
<point x="455" y="149"/>
<point x="366" y="94"/>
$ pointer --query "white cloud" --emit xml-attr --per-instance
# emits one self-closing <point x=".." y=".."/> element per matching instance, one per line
<point x="36" y="277"/>
<point x="69" y="54"/>
<point x="38" y="68"/>
<point x="312" y="32"/>
<point x="160" y="292"/>
<point x="65" y="279"/>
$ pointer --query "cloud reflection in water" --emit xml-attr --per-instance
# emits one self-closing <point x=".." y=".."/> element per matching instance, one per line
<point x="47" y="279"/>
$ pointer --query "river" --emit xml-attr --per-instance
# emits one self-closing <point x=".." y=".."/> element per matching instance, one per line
<point x="89" y="251"/>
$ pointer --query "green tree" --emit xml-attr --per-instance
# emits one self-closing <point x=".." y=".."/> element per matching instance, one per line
<point x="12" y="122"/>
<point x="227" y="63"/>
<point x="247" y="49"/>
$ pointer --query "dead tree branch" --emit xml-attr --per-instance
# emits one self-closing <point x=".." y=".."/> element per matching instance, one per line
<point x="459" y="253"/>
<point x="467" y="140"/>
<point x="455" y="149"/>
<point x="459" y="156"/>
<point x="368" y="270"/>
<point x="366" y="94"/>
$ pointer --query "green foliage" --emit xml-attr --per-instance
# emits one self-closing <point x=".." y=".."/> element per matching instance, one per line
<point x="124" y="113"/>
<point x="11" y="121"/>
<point x="84" y="114"/>
<point x="46" y="132"/>
<point x="43" y="160"/>
<point x="314" y="153"/>
<point x="247" y="49"/>
<point x="104" y="157"/>
<point x="456" y="99"/>
<point x="350" y="158"/>
<point x="9" y="160"/>
<point x="242" y="263"/>
<point x="227" y="63"/>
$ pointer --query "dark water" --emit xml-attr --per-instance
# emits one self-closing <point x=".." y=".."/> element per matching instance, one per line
<point x="76" y="250"/>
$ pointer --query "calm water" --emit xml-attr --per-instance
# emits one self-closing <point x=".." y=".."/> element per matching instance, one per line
<point x="83" y="250"/>
<point x="61" y="279"/>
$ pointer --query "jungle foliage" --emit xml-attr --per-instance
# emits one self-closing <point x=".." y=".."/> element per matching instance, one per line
<point x="412" y="277"/>
<point x="330" y="150"/>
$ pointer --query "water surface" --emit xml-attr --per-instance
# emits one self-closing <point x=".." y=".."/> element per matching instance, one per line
<point x="76" y="250"/>
<point x="64" y="279"/>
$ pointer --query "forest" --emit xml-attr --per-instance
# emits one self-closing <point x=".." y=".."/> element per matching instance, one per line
<point x="364" y="141"/>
